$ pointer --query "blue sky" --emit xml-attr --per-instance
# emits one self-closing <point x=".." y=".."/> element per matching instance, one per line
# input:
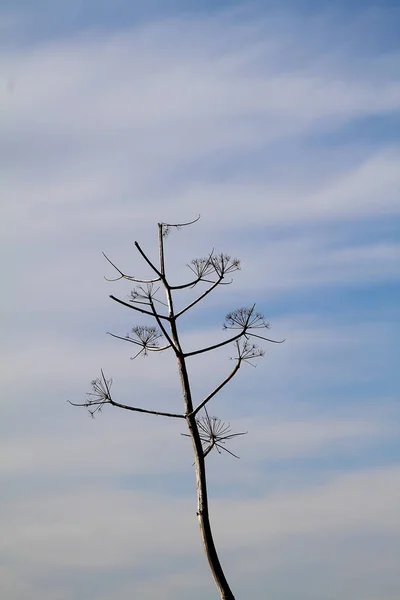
<point x="278" y="122"/>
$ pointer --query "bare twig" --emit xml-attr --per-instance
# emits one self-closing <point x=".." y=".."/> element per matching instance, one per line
<point x="209" y="348"/>
<point x="128" y="277"/>
<point x="218" y="388"/>
<point x="203" y="295"/>
<point x="266" y="339"/>
<point x="144" y="343"/>
<point x="165" y="227"/>
<point x="101" y="395"/>
<point x="161" y="326"/>
<point x="149" y="261"/>
<point x="146" y="312"/>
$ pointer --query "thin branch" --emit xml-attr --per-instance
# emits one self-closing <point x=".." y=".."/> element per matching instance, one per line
<point x="149" y="261"/>
<point x="128" y="277"/>
<point x="208" y="290"/>
<point x="266" y="339"/>
<point x="142" y="410"/>
<point x="161" y="326"/>
<point x="165" y="227"/>
<point x="142" y="351"/>
<point x="146" y="312"/>
<point x="128" y="339"/>
<point x="127" y="407"/>
<point x="101" y="391"/>
<point x="149" y="412"/>
<point x="161" y="248"/>
<point x="195" y="282"/>
<point x="181" y="224"/>
<point x="219" y="447"/>
<point x="232" y="339"/>
<point x="134" y="301"/>
<point x="186" y="285"/>
<point x="218" y="388"/>
<point x="220" y="283"/>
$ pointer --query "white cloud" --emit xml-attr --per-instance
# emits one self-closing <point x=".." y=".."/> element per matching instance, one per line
<point x="146" y="445"/>
<point x="103" y="118"/>
<point x="93" y="527"/>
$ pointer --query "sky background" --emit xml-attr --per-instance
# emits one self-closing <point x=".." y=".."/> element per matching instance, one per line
<point x="279" y="123"/>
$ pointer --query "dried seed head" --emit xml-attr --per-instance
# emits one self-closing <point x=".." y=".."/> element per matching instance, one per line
<point x="214" y="432"/>
<point x="245" y="318"/>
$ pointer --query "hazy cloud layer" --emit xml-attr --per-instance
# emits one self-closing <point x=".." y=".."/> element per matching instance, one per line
<point x="277" y="125"/>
